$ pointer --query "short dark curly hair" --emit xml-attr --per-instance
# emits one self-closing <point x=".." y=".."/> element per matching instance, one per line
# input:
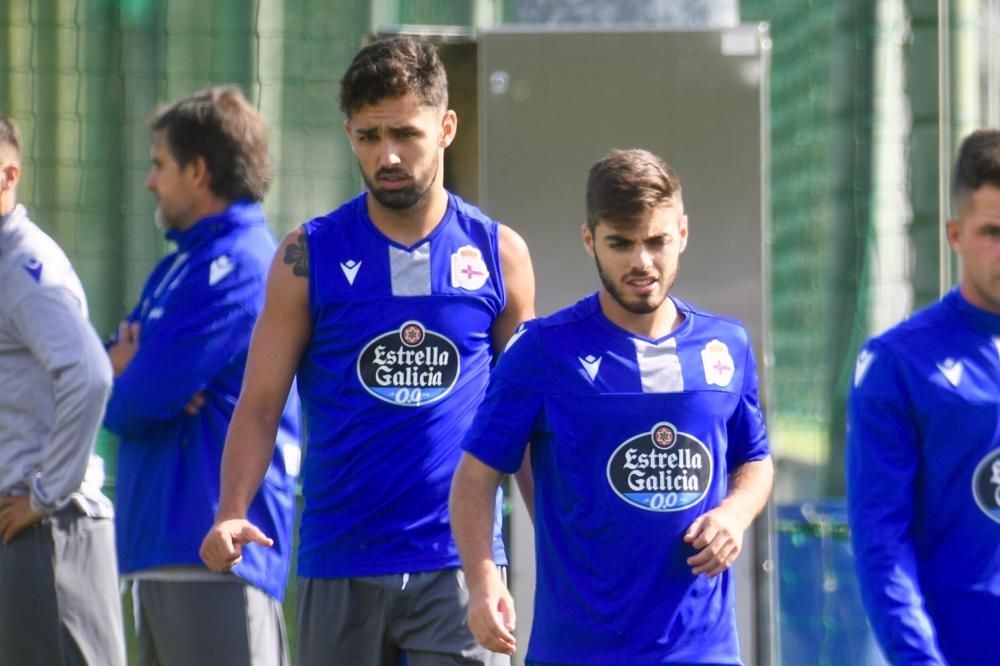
<point x="392" y="68"/>
<point x="219" y="125"/>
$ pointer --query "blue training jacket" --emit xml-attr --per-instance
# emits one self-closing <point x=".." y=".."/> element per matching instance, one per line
<point x="923" y="476"/>
<point x="197" y="312"/>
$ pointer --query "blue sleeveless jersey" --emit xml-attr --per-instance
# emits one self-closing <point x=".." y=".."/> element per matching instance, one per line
<point x="631" y="440"/>
<point x="398" y="361"/>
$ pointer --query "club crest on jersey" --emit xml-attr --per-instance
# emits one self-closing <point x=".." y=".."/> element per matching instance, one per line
<point x="719" y="365"/>
<point x="986" y="485"/>
<point x="409" y="366"/>
<point x="468" y="270"/>
<point x="661" y="470"/>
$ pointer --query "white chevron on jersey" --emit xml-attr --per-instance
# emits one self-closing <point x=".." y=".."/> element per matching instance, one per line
<point x="952" y="370"/>
<point x="514" y="338"/>
<point x="864" y="362"/>
<point x="350" y="268"/>
<point x="220" y="268"/>
<point x="591" y="364"/>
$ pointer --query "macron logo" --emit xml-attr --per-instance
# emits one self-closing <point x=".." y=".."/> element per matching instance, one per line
<point x="864" y="362"/>
<point x="220" y="268"/>
<point x="952" y="371"/>
<point x="34" y="269"/>
<point x="591" y="364"/>
<point x="350" y="268"/>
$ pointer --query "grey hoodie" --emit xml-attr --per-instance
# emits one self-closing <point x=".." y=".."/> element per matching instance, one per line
<point x="54" y="375"/>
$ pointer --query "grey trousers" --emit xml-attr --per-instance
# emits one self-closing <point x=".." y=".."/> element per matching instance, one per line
<point x="376" y="620"/>
<point x="212" y="623"/>
<point x="59" y="600"/>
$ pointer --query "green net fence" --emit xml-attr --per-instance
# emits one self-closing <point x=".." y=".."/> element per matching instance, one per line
<point x="80" y="76"/>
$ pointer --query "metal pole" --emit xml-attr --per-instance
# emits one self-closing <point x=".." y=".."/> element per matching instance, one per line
<point x="944" y="143"/>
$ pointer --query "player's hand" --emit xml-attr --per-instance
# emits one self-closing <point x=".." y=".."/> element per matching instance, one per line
<point x="15" y="515"/>
<point x="491" y="615"/>
<point x="222" y="548"/>
<point x="718" y="538"/>
<point x="125" y="347"/>
<point x="195" y="404"/>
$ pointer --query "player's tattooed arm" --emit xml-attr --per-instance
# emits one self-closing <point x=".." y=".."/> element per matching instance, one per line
<point x="297" y="256"/>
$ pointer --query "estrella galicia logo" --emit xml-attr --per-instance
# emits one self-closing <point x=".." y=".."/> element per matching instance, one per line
<point x="661" y="470"/>
<point x="986" y="484"/>
<point x="410" y="366"/>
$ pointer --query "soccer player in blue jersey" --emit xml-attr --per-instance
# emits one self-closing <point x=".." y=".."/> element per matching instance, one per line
<point x="178" y="360"/>
<point x="648" y="449"/>
<point x="923" y="449"/>
<point x="389" y="310"/>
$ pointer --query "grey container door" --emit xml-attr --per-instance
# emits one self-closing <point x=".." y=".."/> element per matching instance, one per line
<point x="553" y="102"/>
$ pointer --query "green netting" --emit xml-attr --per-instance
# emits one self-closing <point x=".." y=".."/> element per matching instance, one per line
<point x="802" y="222"/>
<point x="80" y="77"/>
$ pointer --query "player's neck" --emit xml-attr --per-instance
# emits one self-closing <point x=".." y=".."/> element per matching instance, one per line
<point x="8" y="202"/>
<point x="205" y="204"/>
<point x="977" y="298"/>
<point x="653" y="326"/>
<point x="411" y="225"/>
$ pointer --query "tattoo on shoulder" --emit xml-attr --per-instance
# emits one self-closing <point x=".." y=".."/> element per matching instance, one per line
<point x="297" y="256"/>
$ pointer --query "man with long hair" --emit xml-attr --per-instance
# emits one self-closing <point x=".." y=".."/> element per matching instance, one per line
<point x="179" y="359"/>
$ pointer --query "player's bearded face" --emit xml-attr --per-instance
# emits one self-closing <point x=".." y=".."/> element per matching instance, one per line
<point x="637" y="262"/>
<point x="621" y="289"/>
<point x="413" y="188"/>
<point x="399" y="144"/>
<point x="174" y="187"/>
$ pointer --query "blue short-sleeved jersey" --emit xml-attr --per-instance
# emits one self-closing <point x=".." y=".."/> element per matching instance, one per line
<point x="923" y="481"/>
<point x="399" y="358"/>
<point x="631" y="440"/>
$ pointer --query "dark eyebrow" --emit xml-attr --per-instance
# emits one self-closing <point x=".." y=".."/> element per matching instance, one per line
<point x="618" y="238"/>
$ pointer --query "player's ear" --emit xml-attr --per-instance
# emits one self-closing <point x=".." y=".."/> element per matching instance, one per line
<point x="953" y="232"/>
<point x="588" y="239"/>
<point x="9" y="175"/>
<point x="449" y="127"/>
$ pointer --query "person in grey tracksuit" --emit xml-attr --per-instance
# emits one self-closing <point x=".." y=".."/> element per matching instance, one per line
<point x="59" y="601"/>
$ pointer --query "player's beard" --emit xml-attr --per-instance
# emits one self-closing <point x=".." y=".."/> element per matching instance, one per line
<point x="158" y="218"/>
<point x="639" y="306"/>
<point x="404" y="198"/>
<point x="163" y="221"/>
